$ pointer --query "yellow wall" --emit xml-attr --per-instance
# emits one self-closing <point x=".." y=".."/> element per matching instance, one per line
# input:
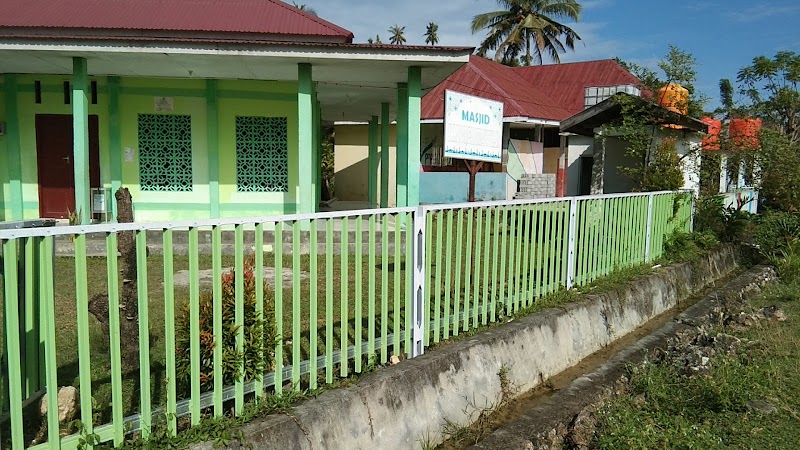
<point x="351" y="153"/>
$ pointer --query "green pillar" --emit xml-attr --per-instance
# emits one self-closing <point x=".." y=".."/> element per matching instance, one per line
<point x="305" y="137"/>
<point x="114" y="141"/>
<point x="317" y="145"/>
<point x="13" y="152"/>
<point x="384" y="155"/>
<point x="413" y="135"/>
<point x="80" y="129"/>
<point x="402" y="145"/>
<point x="372" y="176"/>
<point x="212" y="138"/>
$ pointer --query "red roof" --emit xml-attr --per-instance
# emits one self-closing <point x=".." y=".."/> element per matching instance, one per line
<point x="488" y="79"/>
<point x="253" y="17"/>
<point x="565" y="83"/>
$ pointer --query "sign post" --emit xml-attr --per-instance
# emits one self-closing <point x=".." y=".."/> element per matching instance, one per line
<point x="473" y="131"/>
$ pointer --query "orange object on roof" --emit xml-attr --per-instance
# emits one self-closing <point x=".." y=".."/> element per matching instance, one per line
<point x="711" y="142"/>
<point x="674" y="97"/>
<point x="743" y="133"/>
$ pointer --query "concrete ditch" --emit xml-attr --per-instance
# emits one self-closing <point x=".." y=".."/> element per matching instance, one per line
<point x="403" y="405"/>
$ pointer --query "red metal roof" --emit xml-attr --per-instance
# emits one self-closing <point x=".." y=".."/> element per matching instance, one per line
<point x="261" y="17"/>
<point x="565" y="83"/>
<point x="488" y="79"/>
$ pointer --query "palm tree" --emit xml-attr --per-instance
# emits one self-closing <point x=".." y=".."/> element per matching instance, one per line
<point x="398" y="35"/>
<point x="531" y="26"/>
<point x="432" y="34"/>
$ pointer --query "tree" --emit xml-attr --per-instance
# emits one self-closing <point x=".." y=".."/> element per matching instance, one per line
<point x="532" y="26"/>
<point x="432" y="34"/>
<point x="398" y="35"/>
<point x="771" y="85"/>
<point x="304" y="7"/>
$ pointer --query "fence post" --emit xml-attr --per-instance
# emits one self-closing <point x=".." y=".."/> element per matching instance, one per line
<point x="649" y="228"/>
<point x="418" y="283"/>
<point x="573" y="216"/>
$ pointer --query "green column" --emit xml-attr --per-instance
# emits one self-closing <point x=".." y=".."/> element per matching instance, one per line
<point x="212" y="137"/>
<point x="372" y="176"/>
<point x="305" y="136"/>
<point x="384" y="155"/>
<point x="13" y="154"/>
<point x="114" y="141"/>
<point x="80" y="129"/>
<point x="317" y="145"/>
<point x="413" y="135"/>
<point x="402" y="145"/>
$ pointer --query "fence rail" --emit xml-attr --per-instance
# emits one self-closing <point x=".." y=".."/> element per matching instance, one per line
<point x="214" y="329"/>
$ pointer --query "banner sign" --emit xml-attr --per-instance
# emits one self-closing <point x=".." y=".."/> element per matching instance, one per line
<point x="473" y="128"/>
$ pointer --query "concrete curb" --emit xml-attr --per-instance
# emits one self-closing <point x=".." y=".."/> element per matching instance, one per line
<point x="399" y="406"/>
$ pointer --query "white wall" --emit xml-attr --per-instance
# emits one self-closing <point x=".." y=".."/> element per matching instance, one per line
<point x="578" y="146"/>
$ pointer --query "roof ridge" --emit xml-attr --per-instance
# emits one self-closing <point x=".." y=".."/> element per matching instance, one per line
<point x="491" y="82"/>
<point x="330" y="25"/>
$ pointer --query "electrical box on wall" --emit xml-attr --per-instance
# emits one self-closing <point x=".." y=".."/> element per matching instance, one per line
<point x="2" y="128"/>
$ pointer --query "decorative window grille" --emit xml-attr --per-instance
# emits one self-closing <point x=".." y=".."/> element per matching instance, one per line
<point x="165" y="152"/>
<point x="262" y="154"/>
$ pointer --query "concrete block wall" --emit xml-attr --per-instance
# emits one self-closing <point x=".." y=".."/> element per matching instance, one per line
<point x="536" y="185"/>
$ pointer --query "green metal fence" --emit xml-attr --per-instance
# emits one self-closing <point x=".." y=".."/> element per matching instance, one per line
<point x="339" y="292"/>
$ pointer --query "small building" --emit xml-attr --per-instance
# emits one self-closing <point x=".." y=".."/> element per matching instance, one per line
<point x="537" y="100"/>
<point x="202" y="109"/>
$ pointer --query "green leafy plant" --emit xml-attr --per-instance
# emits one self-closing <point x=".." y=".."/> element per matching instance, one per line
<point x="728" y="224"/>
<point x="776" y="232"/>
<point x="259" y="335"/>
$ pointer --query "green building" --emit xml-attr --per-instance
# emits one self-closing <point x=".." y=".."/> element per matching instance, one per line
<point x="201" y="109"/>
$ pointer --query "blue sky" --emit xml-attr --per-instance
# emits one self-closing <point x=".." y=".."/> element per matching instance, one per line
<point x="723" y="35"/>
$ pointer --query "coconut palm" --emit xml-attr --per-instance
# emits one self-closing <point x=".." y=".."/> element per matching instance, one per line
<point x="529" y="26"/>
<point x="398" y="35"/>
<point x="432" y="34"/>
<point x="304" y="7"/>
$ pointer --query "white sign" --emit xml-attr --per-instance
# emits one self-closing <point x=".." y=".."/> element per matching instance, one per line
<point x="130" y="154"/>
<point x="163" y="104"/>
<point x="473" y="127"/>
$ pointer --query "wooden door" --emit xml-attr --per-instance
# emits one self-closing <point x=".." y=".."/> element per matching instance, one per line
<point x="55" y="165"/>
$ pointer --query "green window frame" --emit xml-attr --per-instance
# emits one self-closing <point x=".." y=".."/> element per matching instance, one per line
<point x="262" y="154"/>
<point x="165" y="153"/>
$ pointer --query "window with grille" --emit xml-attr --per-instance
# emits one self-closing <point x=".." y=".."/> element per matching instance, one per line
<point x="262" y="154"/>
<point x="165" y="152"/>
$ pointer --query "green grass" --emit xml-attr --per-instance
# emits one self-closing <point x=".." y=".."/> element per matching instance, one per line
<point x="711" y="411"/>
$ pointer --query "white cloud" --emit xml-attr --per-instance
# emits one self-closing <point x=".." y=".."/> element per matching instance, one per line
<point x="763" y="11"/>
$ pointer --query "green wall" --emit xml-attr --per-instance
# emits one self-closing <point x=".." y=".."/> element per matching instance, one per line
<point x="3" y="164"/>
<point x="192" y="97"/>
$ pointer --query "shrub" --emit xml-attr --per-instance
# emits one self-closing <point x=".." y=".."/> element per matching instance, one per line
<point x="259" y="335"/>
<point x="682" y="246"/>
<point x="728" y="224"/>
<point x="776" y="232"/>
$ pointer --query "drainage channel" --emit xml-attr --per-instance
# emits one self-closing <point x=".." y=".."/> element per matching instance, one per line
<point x="530" y="400"/>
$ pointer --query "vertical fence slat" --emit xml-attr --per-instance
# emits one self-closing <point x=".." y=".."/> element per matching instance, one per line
<point x="47" y="310"/>
<point x="552" y="252"/>
<point x="84" y="352"/>
<point x="358" y="332"/>
<point x="194" y="323"/>
<point x="144" y="333"/>
<point x="468" y="268"/>
<point x="507" y="270"/>
<point x="486" y="249"/>
<point x="558" y="236"/>
<point x="169" y="331"/>
<point x="371" y="312"/>
<point x="496" y="255"/>
<point x="448" y="264"/>
<point x="258" y="250"/>
<point x="296" y="310"/>
<point x="344" y="309"/>
<point x="397" y="286"/>
<point x="12" y="322"/>
<point x="538" y="257"/>
<point x="313" y="274"/>
<point x="30" y="320"/>
<point x="279" y="338"/>
<point x="528" y="249"/>
<point x="238" y="266"/>
<point x="459" y="270"/>
<point x="328" y="301"/>
<point x="428" y="273"/>
<point x="518" y="256"/>
<point x="437" y="302"/>
<point x="385" y="288"/>
<point x="216" y="289"/>
<point x="477" y="281"/>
